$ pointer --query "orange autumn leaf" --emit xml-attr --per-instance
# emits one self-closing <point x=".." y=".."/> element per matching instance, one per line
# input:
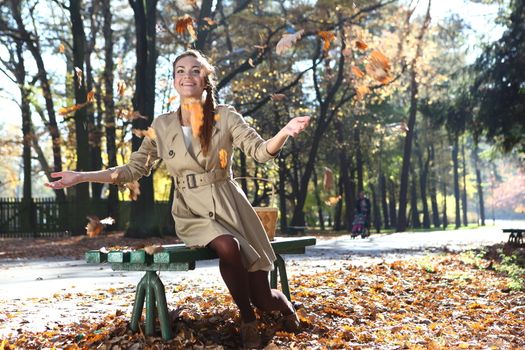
<point x="94" y="226"/>
<point x="61" y="48"/>
<point x="194" y="107"/>
<point x="361" y="91"/>
<point x="327" y="38"/>
<point x="209" y="21"/>
<point x="70" y="109"/>
<point x="360" y="44"/>
<point x="121" y="88"/>
<point x="328" y="179"/>
<point x="358" y="72"/>
<point x="287" y="41"/>
<point x="223" y="158"/>
<point x="183" y="23"/>
<point x="152" y="249"/>
<point x="171" y="99"/>
<point x="90" y="96"/>
<point x="131" y="115"/>
<point x="378" y="67"/>
<point x="217" y="117"/>
<point x="332" y="200"/>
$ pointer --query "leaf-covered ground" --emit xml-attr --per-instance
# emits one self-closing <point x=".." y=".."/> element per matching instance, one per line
<point x="441" y="301"/>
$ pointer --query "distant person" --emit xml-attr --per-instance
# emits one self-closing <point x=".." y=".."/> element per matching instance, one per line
<point x="362" y="207"/>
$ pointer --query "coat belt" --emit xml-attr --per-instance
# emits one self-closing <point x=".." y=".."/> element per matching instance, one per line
<point x="195" y="180"/>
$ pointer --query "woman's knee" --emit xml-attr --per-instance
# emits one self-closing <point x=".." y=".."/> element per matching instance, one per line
<point x="226" y="247"/>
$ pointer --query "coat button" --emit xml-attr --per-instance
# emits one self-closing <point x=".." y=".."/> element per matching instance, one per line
<point x="210" y="214"/>
<point x="171" y="153"/>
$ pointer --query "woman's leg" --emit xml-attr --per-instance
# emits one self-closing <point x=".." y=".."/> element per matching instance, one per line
<point x="234" y="274"/>
<point x="265" y="298"/>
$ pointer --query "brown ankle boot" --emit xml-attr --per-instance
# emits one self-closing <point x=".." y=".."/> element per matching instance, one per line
<point x="251" y="338"/>
<point x="290" y="323"/>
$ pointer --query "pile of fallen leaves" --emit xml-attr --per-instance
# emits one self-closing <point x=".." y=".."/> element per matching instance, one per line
<point x="72" y="247"/>
<point x="435" y="302"/>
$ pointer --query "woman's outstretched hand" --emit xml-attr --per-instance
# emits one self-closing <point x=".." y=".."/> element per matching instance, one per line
<point x="68" y="179"/>
<point x="296" y="126"/>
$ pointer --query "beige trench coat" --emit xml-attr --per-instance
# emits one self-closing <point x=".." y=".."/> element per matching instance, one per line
<point x="208" y="211"/>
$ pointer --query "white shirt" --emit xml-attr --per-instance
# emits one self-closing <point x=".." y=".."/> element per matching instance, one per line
<point x="186" y="130"/>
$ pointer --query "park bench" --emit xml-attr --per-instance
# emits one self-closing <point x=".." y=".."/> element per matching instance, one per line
<point x="515" y="235"/>
<point x="178" y="257"/>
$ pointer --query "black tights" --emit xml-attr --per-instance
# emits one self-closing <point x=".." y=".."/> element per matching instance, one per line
<point x="247" y="288"/>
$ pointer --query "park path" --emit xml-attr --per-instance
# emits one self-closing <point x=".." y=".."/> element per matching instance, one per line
<point x="39" y="294"/>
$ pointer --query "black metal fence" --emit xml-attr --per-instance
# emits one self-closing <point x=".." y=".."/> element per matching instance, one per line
<point x="41" y="215"/>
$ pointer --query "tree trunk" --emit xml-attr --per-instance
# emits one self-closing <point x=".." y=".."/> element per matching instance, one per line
<point x="142" y="220"/>
<point x="433" y="187"/>
<point x="282" y="192"/>
<point x="445" y="218"/>
<point x="30" y="40"/>
<point x="413" y="201"/>
<point x="455" y="163"/>
<point x="464" y="192"/>
<point x="81" y="191"/>
<point x="109" y="106"/>
<point x="375" y="210"/>
<point x="479" y="186"/>
<point x="345" y="162"/>
<point x="392" y="203"/>
<point x="338" y="212"/>
<point x="384" y="203"/>
<point x="423" y="186"/>
<point x="318" y="201"/>
<point x="94" y="124"/>
<point x="358" y="158"/>
<point x="407" y="151"/>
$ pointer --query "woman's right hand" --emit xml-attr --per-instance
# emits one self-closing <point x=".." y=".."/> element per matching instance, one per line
<point x="68" y="179"/>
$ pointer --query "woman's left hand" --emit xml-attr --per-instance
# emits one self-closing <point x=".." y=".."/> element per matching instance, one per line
<point x="296" y="126"/>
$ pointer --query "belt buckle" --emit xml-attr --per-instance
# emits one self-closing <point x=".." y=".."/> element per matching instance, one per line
<point x="191" y="182"/>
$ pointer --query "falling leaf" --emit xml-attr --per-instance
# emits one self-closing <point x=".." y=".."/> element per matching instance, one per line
<point x="121" y="88"/>
<point x="149" y="132"/>
<point x="171" y="99"/>
<point x="134" y="190"/>
<point x="70" y="109"/>
<point x="114" y="175"/>
<point x="361" y="91"/>
<point x="250" y="62"/>
<point x="183" y="24"/>
<point x="79" y="75"/>
<point x="192" y="32"/>
<point x="361" y="45"/>
<point x="194" y="107"/>
<point x="108" y="221"/>
<point x="357" y="72"/>
<point x="209" y="21"/>
<point x="327" y="38"/>
<point x="131" y="115"/>
<point x="287" y="41"/>
<point x="278" y="97"/>
<point x="94" y="226"/>
<point x="152" y="249"/>
<point x="61" y="48"/>
<point x="328" y="179"/>
<point x="332" y="200"/>
<point x="90" y="96"/>
<point x="191" y="2"/>
<point x="223" y="158"/>
<point x="217" y="117"/>
<point x="378" y="67"/>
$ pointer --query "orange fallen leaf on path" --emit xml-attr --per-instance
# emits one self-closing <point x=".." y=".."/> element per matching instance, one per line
<point x="357" y="72"/>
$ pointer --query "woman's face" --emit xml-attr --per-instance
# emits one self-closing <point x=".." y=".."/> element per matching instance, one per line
<point x="189" y="78"/>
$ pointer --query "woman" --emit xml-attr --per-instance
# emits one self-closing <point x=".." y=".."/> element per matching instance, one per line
<point x="210" y="208"/>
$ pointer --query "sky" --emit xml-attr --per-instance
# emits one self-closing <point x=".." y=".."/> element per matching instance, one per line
<point x="480" y="17"/>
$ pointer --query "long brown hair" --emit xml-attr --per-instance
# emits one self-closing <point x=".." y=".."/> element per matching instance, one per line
<point x="210" y="104"/>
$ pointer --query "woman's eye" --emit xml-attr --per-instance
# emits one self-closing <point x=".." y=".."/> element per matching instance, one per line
<point x="196" y="71"/>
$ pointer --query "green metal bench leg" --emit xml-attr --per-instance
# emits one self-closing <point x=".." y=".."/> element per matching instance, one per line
<point x="151" y="290"/>
<point x="273" y="277"/>
<point x="149" y="324"/>
<point x="139" y="303"/>
<point x="162" y="308"/>
<point x="284" y="278"/>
